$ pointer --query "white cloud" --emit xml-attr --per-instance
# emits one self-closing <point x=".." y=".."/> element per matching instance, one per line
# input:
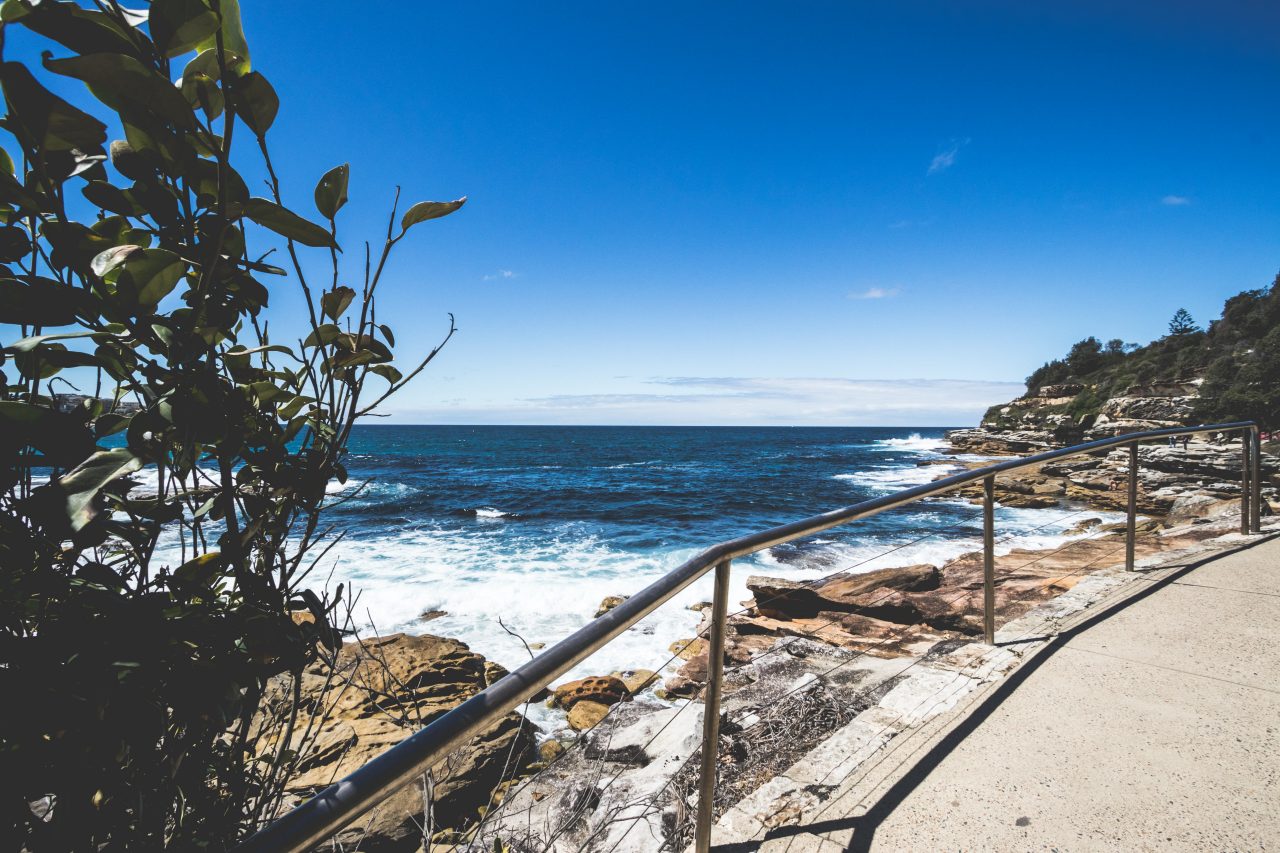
<point x="876" y="293"/>
<point x="692" y="400"/>
<point x="946" y="158"/>
<point x="499" y="275"/>
<point x="1175" y="200"/>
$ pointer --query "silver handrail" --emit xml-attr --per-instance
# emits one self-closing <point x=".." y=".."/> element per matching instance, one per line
<point x="341" y="803"/>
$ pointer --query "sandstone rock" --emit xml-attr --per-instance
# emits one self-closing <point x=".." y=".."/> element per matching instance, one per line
<point x="1084" y="526"/>
<point x="636" y="679"/>
<point x="384" y="690"/>
<point x="1191" y="507"/>
<point x="428" y="615"/>
<point x="686" y="649"/>
<point x="494" y="672"/>
<point x="602" y="689"/>
<point x="608" y="603"/>
<point x="550" y="751"/>
<point x="788" y="599"/>
<point x="586" y="714"/>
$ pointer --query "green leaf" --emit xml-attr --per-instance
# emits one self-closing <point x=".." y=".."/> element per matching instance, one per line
<point x="286" y="223"/>
<point x="126" y="85"/>
<point x="38" y="302"/>
<point x="83" y="484"/>
<point x="12" y="192"/>
<point x="177" y="26"/>
<point x="149" y="275"/>
<point x="105" y="262"/>
<point x="323" y="334"/>
<point x="233" y="41"/>
<point x="82" y="30"/>
<point x="201" y="571"/>
<point x="336" y="301"/>
<point x="424" y="210"/>
<point x="27" y="344"/>
<point x="111" y="198"/>
<point x="202" y="91"/>
<point x="49" y="360"/>
<point x="46" y="121"/>
<point x="387" y="372"/>
<point x="62" y="437"/>
<point x="331" y="192"/>
<point x="386" y="333"/>
<point x="256" y="102"/>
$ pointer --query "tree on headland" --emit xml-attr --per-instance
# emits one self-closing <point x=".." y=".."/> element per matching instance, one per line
<point x="140" y="628"/>
<point x="1237" y="357"/>
<point x="1183" y="323"/>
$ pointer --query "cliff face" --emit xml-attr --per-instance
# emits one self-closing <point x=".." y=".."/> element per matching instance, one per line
<point x="1227" y="372"/>
<point x="1071" y="412"/>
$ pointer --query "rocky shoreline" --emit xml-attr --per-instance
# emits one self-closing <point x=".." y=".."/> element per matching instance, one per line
<point x="548" y="788"/>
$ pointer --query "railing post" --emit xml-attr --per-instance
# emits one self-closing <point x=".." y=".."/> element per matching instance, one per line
<point x="1131" y="528"/>
<point x="989" y="560"/>
<point x="1255" y="480"/>
<point x="1246" y="442"/>
<point x="711" y="709"/>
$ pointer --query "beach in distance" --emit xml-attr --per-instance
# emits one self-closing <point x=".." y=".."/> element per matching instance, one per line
<point x="537" y="524"/>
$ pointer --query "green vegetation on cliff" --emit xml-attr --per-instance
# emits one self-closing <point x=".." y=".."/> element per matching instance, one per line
<point x="1237" y="357"/>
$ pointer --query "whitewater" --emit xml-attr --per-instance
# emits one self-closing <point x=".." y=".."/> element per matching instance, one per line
<point x="518" y="533"/>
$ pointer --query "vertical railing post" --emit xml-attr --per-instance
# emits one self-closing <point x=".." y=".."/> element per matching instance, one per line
<point x="1131" y="527"/>
<point x="1246" y="443"/>
<point x="989" y="560"/>
<point x="1255" y="480"/>
<point x="711" y="709"/>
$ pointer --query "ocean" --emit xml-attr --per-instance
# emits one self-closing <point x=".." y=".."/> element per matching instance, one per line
<point x="535" y="525"/>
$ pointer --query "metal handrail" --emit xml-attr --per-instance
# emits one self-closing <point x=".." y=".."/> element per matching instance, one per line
<point x="341" y="803"/>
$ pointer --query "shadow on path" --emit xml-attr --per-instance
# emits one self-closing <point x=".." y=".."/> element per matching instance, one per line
<point x="864" y="826"/>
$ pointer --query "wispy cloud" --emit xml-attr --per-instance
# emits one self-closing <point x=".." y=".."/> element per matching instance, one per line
<point x="500" y="275"/>
<point x="1175" y="200"/>
<point x="692" y="400"/>
<point x="946" y="158"/>
<point x="876" y="293"/>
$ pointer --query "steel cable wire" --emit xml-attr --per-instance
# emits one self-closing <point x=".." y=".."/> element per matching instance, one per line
<point x="811" y="584"/>
<point x="808" y="683"/>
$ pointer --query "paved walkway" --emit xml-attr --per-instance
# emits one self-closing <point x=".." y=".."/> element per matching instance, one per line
<point x="1152" y="723"/>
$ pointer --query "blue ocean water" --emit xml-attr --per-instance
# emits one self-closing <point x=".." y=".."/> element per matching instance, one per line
<point x="535" y="525"/>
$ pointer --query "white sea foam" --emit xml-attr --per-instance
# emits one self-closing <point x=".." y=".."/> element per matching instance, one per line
<point x="490" y="512"/>
<point x="898" y="478"/>
<point x="914" y="442"/>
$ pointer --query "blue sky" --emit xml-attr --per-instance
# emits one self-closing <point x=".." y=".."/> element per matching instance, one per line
<point x="791" y="213"/>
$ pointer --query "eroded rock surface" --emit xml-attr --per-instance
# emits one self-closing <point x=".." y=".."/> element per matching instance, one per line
<point x="380" y="692"/>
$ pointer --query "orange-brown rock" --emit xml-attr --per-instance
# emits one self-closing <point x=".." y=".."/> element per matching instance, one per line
<point x="587" y="714"/>
<point x="603" y="689"/>
<point x="783" y="599"/>
<point x="380" y="692"/>
<point x="608" y="603"/>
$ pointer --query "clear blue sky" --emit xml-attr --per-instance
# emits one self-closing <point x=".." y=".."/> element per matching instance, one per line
<point x="729" y="212"/>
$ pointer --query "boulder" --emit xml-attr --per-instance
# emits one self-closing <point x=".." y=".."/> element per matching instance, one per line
<point x="1191" y="507"/>
<point x="602" y="689"/>
<point x="843" y="592"/>
<point x="636" y="679"/>
<point x="586" y="715"/>
<point x="608" y="603"/>
<point x="685" y="649"/>
<point x="381" y="691"/>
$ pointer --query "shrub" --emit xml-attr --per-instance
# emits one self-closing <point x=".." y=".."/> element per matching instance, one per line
<point x="138" y="630"/>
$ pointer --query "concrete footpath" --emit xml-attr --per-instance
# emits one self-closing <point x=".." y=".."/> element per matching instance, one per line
<point x="1151" y="721"/>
